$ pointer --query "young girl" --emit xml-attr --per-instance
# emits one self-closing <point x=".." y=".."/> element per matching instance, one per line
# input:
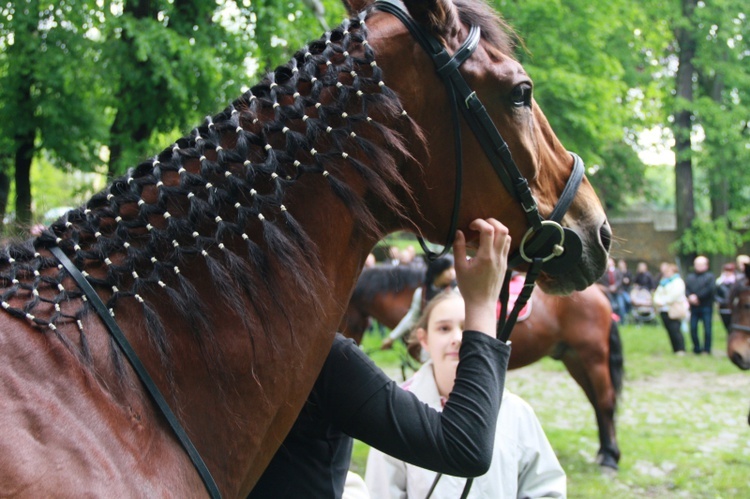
<point x="523" y="462"/>
<point x="353" y="398"/>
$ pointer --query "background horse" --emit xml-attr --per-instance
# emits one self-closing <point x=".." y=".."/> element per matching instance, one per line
<point x="228" y="258"/>
<point x="738" y="341"/>
<point x="577" y="329"/>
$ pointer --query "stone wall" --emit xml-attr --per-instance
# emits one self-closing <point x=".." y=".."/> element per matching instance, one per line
<point x="647" y="236"/>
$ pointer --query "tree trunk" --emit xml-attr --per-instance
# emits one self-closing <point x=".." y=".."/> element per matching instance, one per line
<point x="719" y="183"/>
<point x="683" y="120"/>
<point x="5" y="162"/>
<point x="21" y="57"/>
<point x="123" y="131"/>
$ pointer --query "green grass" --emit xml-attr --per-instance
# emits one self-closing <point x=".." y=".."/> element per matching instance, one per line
<point x="682" y="421"/>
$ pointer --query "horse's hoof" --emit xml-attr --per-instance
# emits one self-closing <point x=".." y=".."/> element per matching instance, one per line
<point x="608" y="464"/>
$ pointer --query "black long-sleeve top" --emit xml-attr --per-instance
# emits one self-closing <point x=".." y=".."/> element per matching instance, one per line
<point x="702" y="285"/>
<point x="352" y="397"/>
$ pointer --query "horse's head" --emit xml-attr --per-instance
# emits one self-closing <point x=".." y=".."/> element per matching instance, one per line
<point x="490" y="176"/>
<point x="738" y="342"/>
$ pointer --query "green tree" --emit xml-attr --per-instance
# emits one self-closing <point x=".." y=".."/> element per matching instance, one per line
<point x="49" y="89"/>
<point x="175" y="59"/>
<point x="166" y="61"/>
<point x="587" y="61"/>
<point x="712" y="84"/>
<point x="76" y="75"/>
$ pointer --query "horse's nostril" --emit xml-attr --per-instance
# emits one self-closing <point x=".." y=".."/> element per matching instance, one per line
<point x="605" y="235"/>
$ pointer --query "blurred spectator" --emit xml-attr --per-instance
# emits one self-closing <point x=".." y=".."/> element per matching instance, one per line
<point x="394" y="255"/>
<point x="627" y="284"/>
<point x="611" y="284"/>
<point x="406" y="255"/>
<point x="370" y="261"/>
<point x="37" y="229"/>
<point x="643" y="277"/>
<point x="669" y="299"/>
<point x="742" y="261"/>
<point x="700" y="288"/>
<point x="724" y="284"/>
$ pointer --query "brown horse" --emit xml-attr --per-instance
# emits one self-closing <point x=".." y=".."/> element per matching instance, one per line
<point x="228" y="258"/>
<point x="577" y="329"/>
<point x="738" y="341"/>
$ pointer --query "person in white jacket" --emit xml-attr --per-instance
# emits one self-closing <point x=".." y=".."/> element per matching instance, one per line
<point x="670" y="301"/>
<point x="523" y="462"/>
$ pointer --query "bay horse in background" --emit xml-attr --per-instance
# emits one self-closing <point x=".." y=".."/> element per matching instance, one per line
<point x="576" y="329"/>
<point x="738" y="341"/>
<point x="228" y="258"/>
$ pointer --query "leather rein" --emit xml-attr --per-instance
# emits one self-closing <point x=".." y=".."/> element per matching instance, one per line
<point x="148" y="383"/>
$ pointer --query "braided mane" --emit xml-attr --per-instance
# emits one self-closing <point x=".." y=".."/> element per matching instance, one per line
<point x="215" y="200"/>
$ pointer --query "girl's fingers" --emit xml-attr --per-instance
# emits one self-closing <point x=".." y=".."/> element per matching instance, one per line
<point x="459" y="249"/>
<point x="486" y="236"/>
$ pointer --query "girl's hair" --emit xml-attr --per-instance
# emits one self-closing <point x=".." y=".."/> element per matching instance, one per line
<point x="434" y="269"/>
<point x="412" y="343"/>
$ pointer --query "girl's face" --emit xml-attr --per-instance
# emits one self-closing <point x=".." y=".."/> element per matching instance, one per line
<point x="442" y="339"/>
<point x="445" y="278"/>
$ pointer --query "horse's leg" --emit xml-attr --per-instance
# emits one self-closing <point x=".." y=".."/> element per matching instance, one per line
<point x="589" y="366"/>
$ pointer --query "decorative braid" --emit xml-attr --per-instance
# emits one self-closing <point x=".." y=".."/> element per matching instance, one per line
<point x="216" y="197"/>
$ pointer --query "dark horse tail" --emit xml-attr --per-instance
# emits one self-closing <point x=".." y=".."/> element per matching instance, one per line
<point x="616" y="358"/>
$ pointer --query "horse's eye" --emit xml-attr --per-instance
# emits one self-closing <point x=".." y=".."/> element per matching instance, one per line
<point x="521" y="95"/>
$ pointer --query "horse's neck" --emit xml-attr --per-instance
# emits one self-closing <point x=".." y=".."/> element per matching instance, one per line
<point x="309" y="224"/>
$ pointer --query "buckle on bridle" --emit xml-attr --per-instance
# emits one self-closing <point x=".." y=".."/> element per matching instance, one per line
<point x="557" y="249"/>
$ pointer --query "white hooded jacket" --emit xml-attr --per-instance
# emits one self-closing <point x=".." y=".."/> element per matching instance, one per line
<point x="523" y="463"/>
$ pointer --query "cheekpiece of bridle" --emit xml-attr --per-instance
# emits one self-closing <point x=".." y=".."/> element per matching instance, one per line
<point x="547" y="246"/>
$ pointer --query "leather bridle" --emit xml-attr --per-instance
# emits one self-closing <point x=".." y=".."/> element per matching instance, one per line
<point x="562" y="244"/>
<point x="547" y="245"/>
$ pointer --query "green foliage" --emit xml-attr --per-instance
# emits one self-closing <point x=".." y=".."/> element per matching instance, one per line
<point x="49" y="82"/>
<point x="591" y="66"/>
<point x="80" y="77"/>
<point x="714" y="237"/>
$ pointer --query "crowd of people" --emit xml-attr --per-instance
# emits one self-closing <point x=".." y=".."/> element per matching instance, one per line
<point x="682" y="304"/>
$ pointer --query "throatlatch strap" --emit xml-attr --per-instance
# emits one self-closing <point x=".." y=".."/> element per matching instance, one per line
<point x="140" y="370"/>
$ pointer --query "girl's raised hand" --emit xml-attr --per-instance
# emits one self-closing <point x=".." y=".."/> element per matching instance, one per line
<point x="480" y="278"/>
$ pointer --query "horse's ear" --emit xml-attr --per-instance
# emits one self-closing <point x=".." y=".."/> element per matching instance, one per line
<point x="438" y="16"/>
<point x="354" y="7"/>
